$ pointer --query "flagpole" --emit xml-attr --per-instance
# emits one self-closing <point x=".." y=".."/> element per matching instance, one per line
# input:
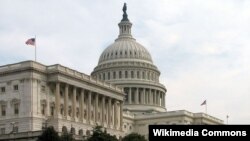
<point x="206" y="108"/>
<point x="35" y="48"/>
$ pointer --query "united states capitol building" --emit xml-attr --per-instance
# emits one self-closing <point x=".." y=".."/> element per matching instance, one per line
<point x="122" y="94"/>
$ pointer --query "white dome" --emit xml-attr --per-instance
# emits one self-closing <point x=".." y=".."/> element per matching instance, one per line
<point x="125" y="49"/>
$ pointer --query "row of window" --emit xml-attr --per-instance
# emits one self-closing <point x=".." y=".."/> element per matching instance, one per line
<point x="128" y="74"/>
<point x="3" y="89"/>
<point x="15" y="109"/>
<point x="125" y="53"/>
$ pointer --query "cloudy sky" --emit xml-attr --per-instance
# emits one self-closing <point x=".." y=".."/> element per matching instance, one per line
<point x="201" y="47"/>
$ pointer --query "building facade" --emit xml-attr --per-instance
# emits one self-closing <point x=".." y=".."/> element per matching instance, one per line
<point x="123" y="94"/>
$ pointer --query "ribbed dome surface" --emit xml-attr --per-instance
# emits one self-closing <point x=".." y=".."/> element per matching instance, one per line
<point x="125" y="48"/>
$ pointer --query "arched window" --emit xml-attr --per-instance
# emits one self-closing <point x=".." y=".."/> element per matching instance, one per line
<point x="64" y="129"/>
<point x="80" y="132"/>
<point x="143" y="75"/>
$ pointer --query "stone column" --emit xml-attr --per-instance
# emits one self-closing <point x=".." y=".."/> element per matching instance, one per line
<point x="136" y="96"/>
<point x="150" y="97"/>
<point x="96" y="107"/>
<point x="143" y="96"/>
<point x="129" y="96"/>
<point x="163" y="99"/>
<point x="121" y="115"/>
<point x="74" y="103"/>
<point x="89" y="107"/>
<point x="109" y="112"/>
<point x="155" y="95"/>
<point x="103" y="112"/>
<point x="66" y="98"/>
<point x="57" y="99"/>
<point x="82" y="105"/>
<point x="115" y="115"/>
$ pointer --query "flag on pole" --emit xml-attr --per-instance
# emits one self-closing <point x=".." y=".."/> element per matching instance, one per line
<point x="204" y="102"/>
<point x="31" y="41"/>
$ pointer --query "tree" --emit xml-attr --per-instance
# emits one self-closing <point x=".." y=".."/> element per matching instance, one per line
<point x="134" y="137"/>
<point x="67" y="137"/>
<point x="99" y="135"/>
<point x="49" y="134"/>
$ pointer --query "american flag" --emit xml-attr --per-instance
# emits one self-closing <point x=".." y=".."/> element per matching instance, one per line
<point x="204" y="102"/>
<point x="31" y="41"/>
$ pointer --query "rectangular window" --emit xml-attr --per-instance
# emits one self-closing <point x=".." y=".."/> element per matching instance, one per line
<point x="43" y="89"/>
<point x="3" y="108"/>
<point x="16" y="109"/>
<point x="52" y="111"/>
<point x="114" y="75"/>
<point x="2" y="131"/>
<point x="43" y="109"/>
<point x="2" y="89"/>
<point x="16" y="87"/>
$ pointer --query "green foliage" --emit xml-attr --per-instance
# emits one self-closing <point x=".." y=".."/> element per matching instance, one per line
<point x="67" y="137"/>
<point x="49" y="134"/>
<point x="99" y="135"/>
<point x="134" y="137"/>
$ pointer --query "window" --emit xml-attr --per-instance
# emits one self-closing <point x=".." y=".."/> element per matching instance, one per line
<point x="16" y="108"/>
<point x="43" y="88"/>
<point x="2" y="89"/>
<point x="2" y="131"/>
<point x="52" y="111"/>
<point x="138" y="74"/>
<point x="16" y="87"/>
<point x="126" y="74"/>
<point x="120" y="74"/>
<point x="43" y="109"/>
<point x="132" y="74"/>
<point x="3" y="108"/>
<point x="103" y="76"/>
<point x="143" y="75"/>
<point x="114" y="75"/>
<point x="61" y="110"/>
<point x="108" y="75"/>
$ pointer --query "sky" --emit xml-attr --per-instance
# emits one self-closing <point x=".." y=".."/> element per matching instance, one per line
<point x="201" y="47"/>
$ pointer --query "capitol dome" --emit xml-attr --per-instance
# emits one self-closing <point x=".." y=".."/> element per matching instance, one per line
<point x="125" y="49"/>
<point x="129" y="65"/>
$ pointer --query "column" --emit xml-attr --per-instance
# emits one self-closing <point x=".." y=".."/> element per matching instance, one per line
<point x="115" y="115"/>
<point x="129" y="96"/>
<point x="82" y="105"/>
<point x="136" y="96"/>
<point x="150" y="97"/>
<point x="96" y="107"/>
<point x="155" y="94"/>
<point x="66" y="98"/>
<point x="163" y="99"/>
<point x="103" y="112"/>
<point x="74" y="103"/>
<point x="121" y="115"/>
<point x="57" y="99"/>
<point x="143" y="96"/>
<point x="89" y="107"/>
<point x="109" y="112"/>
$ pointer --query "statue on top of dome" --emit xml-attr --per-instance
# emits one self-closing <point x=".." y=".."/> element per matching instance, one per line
<point x="125" y="16"/>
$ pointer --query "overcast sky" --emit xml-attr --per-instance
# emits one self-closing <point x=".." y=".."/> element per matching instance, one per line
<point x="201" y="47"/>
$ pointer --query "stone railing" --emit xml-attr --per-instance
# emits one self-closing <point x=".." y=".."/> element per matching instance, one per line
<point x="198" y="115"/>
<point x="82" y="76"/>
<point x="55" y="68"/>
